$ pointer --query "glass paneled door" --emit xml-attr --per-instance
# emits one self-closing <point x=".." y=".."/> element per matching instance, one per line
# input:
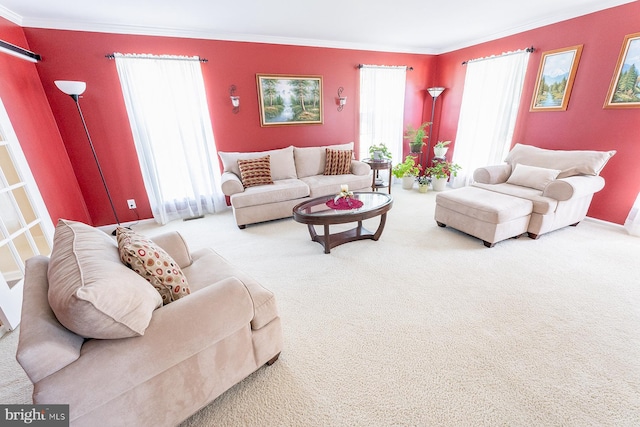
<point x="25" y="226"/>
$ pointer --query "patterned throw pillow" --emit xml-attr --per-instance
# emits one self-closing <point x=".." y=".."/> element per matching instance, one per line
<point x="152" y="263"/>
<point x="255" y="171"/>
<point x="338" y="162"/>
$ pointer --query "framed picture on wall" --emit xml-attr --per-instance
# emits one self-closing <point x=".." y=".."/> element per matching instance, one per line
<point x="556" y="74"/>
<point x="289" y="99"/>
<point x="624" y="90"/>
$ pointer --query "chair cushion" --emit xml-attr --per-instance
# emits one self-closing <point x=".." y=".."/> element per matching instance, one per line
<point x="569" y="162"/>
<point x="255" y="171"/>
<point x="282" y="165"/>
<point x="310" y="161"/>
<point x="532" y="176"/>
<point x="91" y="292"/>
<point x="153" y="264"/>
<point x="338" y="162"/>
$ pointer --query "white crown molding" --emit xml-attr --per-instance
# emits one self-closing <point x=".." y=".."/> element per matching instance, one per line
<point x="10" y="15"/>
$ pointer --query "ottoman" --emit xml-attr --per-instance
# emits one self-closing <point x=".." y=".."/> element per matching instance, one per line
<point x="484" y="214"/>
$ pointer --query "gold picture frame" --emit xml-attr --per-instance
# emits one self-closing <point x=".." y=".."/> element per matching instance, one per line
<point x="556" y="74"/>
<point x="289" y="99"/>
<point x="624" y="90"/>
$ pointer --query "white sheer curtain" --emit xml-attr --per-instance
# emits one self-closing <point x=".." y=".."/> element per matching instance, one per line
<point x="492" y="92"/>
<point x="382" y="108"/>
<point x="167" y="107"/>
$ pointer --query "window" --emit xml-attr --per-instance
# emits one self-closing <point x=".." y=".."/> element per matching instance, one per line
<point x="167" y="108"/>
<point x="382" y="92"/>
<point x="25" y="226"/>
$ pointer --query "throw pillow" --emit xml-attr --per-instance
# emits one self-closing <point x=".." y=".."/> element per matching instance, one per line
<point x="90" y="291"/>
<point x="532" y="176"/>
<point x="338" y="162"/>
<point x="255" y="171"/>
<point x="152" y="263"/>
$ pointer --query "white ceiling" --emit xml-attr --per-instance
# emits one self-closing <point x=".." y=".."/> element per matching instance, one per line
<point x="411" y="26"/>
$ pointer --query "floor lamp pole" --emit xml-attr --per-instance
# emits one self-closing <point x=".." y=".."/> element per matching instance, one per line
<point x="435" y="93"/>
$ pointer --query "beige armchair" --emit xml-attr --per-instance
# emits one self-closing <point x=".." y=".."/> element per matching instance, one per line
<point x="190" y="352"/>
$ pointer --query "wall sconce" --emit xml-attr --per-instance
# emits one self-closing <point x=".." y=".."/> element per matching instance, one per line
<point x="235" y="100"/>
<point x="342" y="100"/>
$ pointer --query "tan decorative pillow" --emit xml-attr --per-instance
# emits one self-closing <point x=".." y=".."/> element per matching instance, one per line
<point x="338" y="162"/>
<point x="532" y="176"/>
<point x="152" y="263"/>
<point x="90" y="291"/>
<point x="255" y="171"/>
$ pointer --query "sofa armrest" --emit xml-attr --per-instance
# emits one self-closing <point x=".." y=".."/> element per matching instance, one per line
<point x="574" y="186"/>
<point x="231" y="184"/>
<point x="360" y="168"/>
<point x="496" y="174"/>
<point x="173" y="243"/>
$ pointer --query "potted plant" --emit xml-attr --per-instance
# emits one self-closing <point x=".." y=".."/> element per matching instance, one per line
<point x="379" y="152"/>
<point x="440" y="149"/>
<point x="407" y="171"/>
<point x="423" y="183"/>
<point x="440" y="173"/>
<point x="416" y="136"/>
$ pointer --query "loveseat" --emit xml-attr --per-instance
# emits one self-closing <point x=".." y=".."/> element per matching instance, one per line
<point x="97" y="336"/>
<point x="296" y="174"/>
<point x="535" y="191"/>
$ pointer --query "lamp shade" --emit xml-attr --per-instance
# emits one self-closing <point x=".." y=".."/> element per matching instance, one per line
<point x="71" y="87"/>
<point x="435" y="91"/>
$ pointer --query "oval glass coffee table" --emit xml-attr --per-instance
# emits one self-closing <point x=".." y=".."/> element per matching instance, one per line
<point x="316" y="212"/>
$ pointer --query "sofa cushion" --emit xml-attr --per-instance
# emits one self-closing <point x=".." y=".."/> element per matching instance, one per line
<point x="153" y="264"/>
<point x="91" y="292"/>
<point x="282" y="165"/>
<point x="532" y="176"/>
<point x="541" y="205"/>
<point x="337" y="162"/>
<point x="310" y="161"/>
<point x="282" y="190"/>
<point x="255" y="171"/>
<point x="569" y="162"/>
<point x="322" y="185"/>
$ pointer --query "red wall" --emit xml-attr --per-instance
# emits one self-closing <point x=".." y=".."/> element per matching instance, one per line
<point x="585" y="124"/>
<point x="35" y="127"/>
<point x="71" y="55"/>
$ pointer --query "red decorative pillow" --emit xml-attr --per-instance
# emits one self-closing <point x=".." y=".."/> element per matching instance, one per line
<point x="338" y="162"/>
<point x="255" y="171"/>
<point x="152" y="263"/>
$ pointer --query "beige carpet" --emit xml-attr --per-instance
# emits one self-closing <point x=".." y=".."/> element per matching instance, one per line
<point x="427" y="327"/>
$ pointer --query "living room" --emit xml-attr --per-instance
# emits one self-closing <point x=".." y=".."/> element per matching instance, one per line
<point x="55" y="146"/>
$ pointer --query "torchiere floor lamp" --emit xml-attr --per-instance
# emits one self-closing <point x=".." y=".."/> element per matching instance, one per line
<point x="435" y="93"/>
<point x="74" y="89"/>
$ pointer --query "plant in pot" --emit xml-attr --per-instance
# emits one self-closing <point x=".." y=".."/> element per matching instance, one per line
<point x="407" y="171"/>
<point x="423" y="183"/>
<point x="440" y="173"/>
<point x="379" y="152"/>
<point x="416" y="136"/>
<point x="440" y="149"/>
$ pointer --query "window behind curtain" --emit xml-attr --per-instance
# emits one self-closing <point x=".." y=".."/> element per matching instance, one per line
<point x="382" y="108"/>
<point x="167" y="108"/>
<point x="490" y="102"/>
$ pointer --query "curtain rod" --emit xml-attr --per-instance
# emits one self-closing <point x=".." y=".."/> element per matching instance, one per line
<point x="112" y="56"/>
<point x="529" y="49"/>
<point x="19" y="52"/>
<point x="382" y="66"/>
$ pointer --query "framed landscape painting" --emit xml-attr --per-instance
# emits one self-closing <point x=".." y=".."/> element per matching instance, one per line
<point x="556" y="74"/>
<point x="289" y="99"/>
<point x="624" y="90"/>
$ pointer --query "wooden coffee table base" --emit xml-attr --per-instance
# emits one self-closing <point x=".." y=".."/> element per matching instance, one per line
<point x="330" y="241"/>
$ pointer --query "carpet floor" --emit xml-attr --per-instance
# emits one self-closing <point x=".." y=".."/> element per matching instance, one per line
<point x="427" y="327"/>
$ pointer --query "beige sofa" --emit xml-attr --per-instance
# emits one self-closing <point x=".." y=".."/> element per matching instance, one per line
<point x="168" y="362"/>
<point x="297" y="173"/>
<point x="536" y="191"/>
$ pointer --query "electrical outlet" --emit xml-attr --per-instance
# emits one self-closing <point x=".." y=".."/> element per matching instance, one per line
<point x="131" y="203"/>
